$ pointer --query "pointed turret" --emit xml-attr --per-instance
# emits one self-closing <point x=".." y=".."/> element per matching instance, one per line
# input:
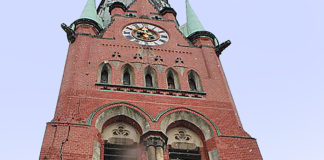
<point x="193" y="29"/>
<point x="193" y="23"/>
<point x="90" y="12"/>
<point x="89" y="16"/>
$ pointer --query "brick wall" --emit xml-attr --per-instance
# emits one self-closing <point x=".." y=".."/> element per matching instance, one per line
<point x="70" y="136"/>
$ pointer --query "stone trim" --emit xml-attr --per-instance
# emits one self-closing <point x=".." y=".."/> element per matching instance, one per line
<point x="149" y="90"/>
<point x="199" y="34"/>
<point x="158" y="117"/>
<point x="89" y="22"/>
<point x="213" y="155"/>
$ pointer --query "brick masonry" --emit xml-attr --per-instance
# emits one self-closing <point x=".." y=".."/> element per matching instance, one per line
<point x="70" y="136"/>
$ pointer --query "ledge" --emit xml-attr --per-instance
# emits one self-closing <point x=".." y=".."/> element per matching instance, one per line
<point x="147" y="90"/>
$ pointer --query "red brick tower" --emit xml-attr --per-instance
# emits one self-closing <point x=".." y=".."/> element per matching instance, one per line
<point x="137" y="85"/>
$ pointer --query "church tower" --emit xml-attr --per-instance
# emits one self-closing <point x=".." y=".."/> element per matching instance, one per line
<point x="138" y="86"/>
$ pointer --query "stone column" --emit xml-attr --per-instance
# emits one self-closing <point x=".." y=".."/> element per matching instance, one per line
<point x="151" y="153"/>
<point x="159" y="153"/>
<point x="155" y="148"/>
<point x="159" y="148"/>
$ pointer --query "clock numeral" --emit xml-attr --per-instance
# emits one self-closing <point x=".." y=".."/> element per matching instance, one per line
<point x="145" y="25"/>
<point x="129" y="28"/>
<point x="125" y="32"/>
<point x="161" y="40"/>
<point x="136" y="26"/>
<point x="164" y="36"/>
<point x="161" y="32"/>
<point x="129" y="37"/>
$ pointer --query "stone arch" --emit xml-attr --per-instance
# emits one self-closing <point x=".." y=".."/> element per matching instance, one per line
<point x="183" y="115"/>
<point x="119" y="109"/>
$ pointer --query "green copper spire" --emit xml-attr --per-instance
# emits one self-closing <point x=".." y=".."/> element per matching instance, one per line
<point x="90" y="12"/>
<point x="193" y="23"/>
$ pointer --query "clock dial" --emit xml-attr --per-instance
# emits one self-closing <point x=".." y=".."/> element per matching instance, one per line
<point x="145" y="34"/>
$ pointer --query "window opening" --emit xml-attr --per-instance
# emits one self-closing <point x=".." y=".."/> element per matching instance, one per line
<point x="182" y="154"/>
<point x="126" y="78"/>
<point x="171" y="84"/>
<point x="120" y="142"/>
<point x="104" y="74"/>
<point x="149" y="80"/>
<point x="184" y="144"/>
<point x="192" y="83"/>
<point x="120" y="152"/>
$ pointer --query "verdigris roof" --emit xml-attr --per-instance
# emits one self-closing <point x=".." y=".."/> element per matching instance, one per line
<point x="193" y="23"/>
<point x="90" y="12"/>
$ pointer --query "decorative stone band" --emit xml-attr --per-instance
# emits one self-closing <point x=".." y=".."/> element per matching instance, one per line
<point x="147" y="90"/>
<point x="168" y="10"/>
<point x="117" y="5"/>
<point x="89" y="22"/>
<point x="200" y="34"/>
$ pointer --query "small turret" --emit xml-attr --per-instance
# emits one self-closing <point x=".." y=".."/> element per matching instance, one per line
<point x="193" y="22"/>
<point x="194" y="30"/>
<point x="88" y="17"/>
<point x="90" y="12"/>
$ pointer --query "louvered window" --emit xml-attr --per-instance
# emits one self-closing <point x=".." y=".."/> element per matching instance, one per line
<point x="180" y="154"/>
<point x="171" y="84"/>
<point x="126" y="78"/>
<point x="148" y="80"/>
<point x="104" y="74"/>
<point x="120" y="152"/>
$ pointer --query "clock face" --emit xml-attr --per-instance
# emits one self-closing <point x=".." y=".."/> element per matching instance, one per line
<point x="145" y="34"/>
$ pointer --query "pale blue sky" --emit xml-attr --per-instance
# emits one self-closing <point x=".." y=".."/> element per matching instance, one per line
<point x="274" y="68"/>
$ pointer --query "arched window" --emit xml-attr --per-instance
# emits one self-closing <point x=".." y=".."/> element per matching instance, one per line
<point x="184" y="144"/>
<point x="172" y="79"/>
<point x="148" y="80"/>
<point x="121" y="141"/>
<point x="194" y="81"/>
<point x="150" y="77"/>
<point x="104" y="73"/>
<point x="192" y="84"/>
<point x="128" y="76"/>
<point x="171" y="84"/>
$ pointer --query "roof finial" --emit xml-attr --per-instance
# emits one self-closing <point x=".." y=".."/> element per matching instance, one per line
<point x="90" y="12"/>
